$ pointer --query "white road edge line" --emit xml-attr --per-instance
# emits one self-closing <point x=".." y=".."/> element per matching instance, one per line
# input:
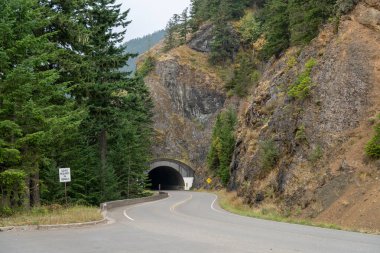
<point x="213" y="203"/>
<point x="147" y="203"/>
<point x="173" y="207"/>
<point x="126" y="216"/>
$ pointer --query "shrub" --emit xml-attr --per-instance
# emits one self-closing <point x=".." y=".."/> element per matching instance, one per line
<point x="249" y="28"/>
<point x="372" y="148"/>
<point x="315" y="154"/>
<point x="268" y="155"/>
<point x="5" y="212"/>
<point x="301" y="134"/>
<point x="146" y="67"/>
<point x="300" y="89"/>
<point x="345" y="6"/>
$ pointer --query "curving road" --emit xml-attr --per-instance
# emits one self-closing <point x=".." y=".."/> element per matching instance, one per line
<point x="187" y="222"/>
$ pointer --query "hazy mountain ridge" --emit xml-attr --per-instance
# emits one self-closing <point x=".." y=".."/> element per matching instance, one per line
<point x="140" y="46"/>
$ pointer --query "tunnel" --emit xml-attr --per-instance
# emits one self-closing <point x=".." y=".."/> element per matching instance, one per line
<point x="165" y="178"/>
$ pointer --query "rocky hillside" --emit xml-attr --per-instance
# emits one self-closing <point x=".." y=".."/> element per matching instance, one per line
<point x="321" y="170"/>
<point x="188" y="95"/>
<point x="301" y="151"/>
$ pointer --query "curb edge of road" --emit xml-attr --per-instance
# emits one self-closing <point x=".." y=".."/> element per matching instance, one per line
<point x="103" y="207"/>
<point x="47" y="227"/>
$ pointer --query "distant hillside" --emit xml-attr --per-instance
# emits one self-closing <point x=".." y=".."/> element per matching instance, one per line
<point x="141" y="45"/>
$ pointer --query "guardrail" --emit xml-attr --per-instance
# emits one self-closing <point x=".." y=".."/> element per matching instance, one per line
<point x="127" y="202"/>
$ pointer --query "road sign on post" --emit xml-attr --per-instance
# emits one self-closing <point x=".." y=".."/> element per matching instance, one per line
<point x="209" y="180"/>
<point x="64" y="177"/>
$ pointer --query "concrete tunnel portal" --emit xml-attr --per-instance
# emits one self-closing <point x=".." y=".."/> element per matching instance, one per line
<point x="169" y="174"/>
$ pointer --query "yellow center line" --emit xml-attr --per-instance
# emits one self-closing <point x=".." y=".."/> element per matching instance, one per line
<point x="173" y="207"/>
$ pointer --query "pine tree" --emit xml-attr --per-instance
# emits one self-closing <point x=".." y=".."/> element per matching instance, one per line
<point x="224" y="43"/>
<point x="222" y="145"/>
<point x="276" y="25"/>
<point x="184" y="26"/>
<point x="306" y="17"/>
<point x="31" y="96"/>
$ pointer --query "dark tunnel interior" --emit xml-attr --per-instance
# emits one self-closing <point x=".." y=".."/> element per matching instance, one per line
<point x="165" y="178"/>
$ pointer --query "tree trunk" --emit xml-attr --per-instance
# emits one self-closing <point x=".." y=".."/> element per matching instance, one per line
<point x="35" y="181"/>
<point x="27" y="193"/>
<point x="103" y="158"/>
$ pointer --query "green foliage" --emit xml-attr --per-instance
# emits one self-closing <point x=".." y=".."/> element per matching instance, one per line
<point x="146" y="67"/>
<point x="293" y="22"/>
<point x="64" y="102"/>
<point x="268" y="155"/>
<point x="300" y="89"/>
<point x="12" y="186"/>
<point x="225" y="43"/>
<point x="6" y="212"/>
<point x="275" y="18"/>
<point x="372" y="149"/>
<point x="202" y="10"/>
<point x="306" y="17"/>
<point x="245" y="75"/>
<point x="345" y="6"/>
<point x="222" y="145"/>
<point x="315" y="155"/>
<point x="301" y="134"/>
<point x="249" y="28"/>
<point x="177" y="30"/>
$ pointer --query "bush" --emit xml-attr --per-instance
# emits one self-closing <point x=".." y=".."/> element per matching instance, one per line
<point x="6" y="212"/>
<point x="249" y="28"/>
<point x="268" y="155"/>
<point x="372" y="149"/>
<point x="147" y="66"/>
<point x="300" y="89"/>
<point x="315" y="154"/>
<point x="301" y="134"/>
<point x="345" y="6"/>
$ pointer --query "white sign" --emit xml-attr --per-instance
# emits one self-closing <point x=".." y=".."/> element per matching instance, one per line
<point x="64" y="175"/>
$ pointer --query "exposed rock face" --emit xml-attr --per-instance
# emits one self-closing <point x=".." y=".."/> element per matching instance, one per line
<point x="187" y="100"/>
<point x="320" y="140"/>
<point x="201" y="40"/>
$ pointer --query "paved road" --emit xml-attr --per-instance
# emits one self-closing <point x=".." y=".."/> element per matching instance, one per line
<point x="187" y="222"/>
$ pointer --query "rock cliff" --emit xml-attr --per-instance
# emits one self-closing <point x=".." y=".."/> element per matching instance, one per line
<point x="188" y="96"/>
<point x="319" y="168"/>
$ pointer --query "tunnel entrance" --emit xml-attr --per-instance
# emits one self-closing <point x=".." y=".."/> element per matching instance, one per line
<point x="166" y="177"/>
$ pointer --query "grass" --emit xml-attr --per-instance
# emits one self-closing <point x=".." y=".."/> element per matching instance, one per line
<point x="52" y="215"/>
<point x="230" y="202"/>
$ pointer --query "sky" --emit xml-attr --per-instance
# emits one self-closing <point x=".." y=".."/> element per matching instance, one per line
<point x="149" y="16"/>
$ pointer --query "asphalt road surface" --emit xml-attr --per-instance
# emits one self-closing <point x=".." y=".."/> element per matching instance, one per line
<point x="187" y="222"/>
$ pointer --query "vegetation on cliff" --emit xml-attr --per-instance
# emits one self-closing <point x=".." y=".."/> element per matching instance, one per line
<point x="222" y="145"/>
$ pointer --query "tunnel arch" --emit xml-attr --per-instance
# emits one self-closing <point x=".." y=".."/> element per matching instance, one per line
<point x="170" y="174"/>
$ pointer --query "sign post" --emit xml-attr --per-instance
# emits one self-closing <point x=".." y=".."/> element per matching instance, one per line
<point x="64" y="177"/>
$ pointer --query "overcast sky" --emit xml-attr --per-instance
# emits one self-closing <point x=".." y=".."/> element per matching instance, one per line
<point x="150" y="15"/>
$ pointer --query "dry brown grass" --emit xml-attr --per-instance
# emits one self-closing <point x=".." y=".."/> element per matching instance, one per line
<point x="53" y="216"/>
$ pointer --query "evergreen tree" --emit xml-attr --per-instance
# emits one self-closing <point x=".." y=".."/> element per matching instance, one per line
<point x="112" y="120"/>
<point x="306" y="17"/>
<point x="184" y="26"/>
<point x="275" y="17"/>
<point x="224" y="43"/>
<point x="32" y="98"/>
<point x="170" y="40"/>
<point x="222" y="145"/>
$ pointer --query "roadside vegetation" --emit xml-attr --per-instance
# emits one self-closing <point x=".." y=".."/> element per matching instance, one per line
<point x="52" y="215"/>
<point x="232" y="203"/>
